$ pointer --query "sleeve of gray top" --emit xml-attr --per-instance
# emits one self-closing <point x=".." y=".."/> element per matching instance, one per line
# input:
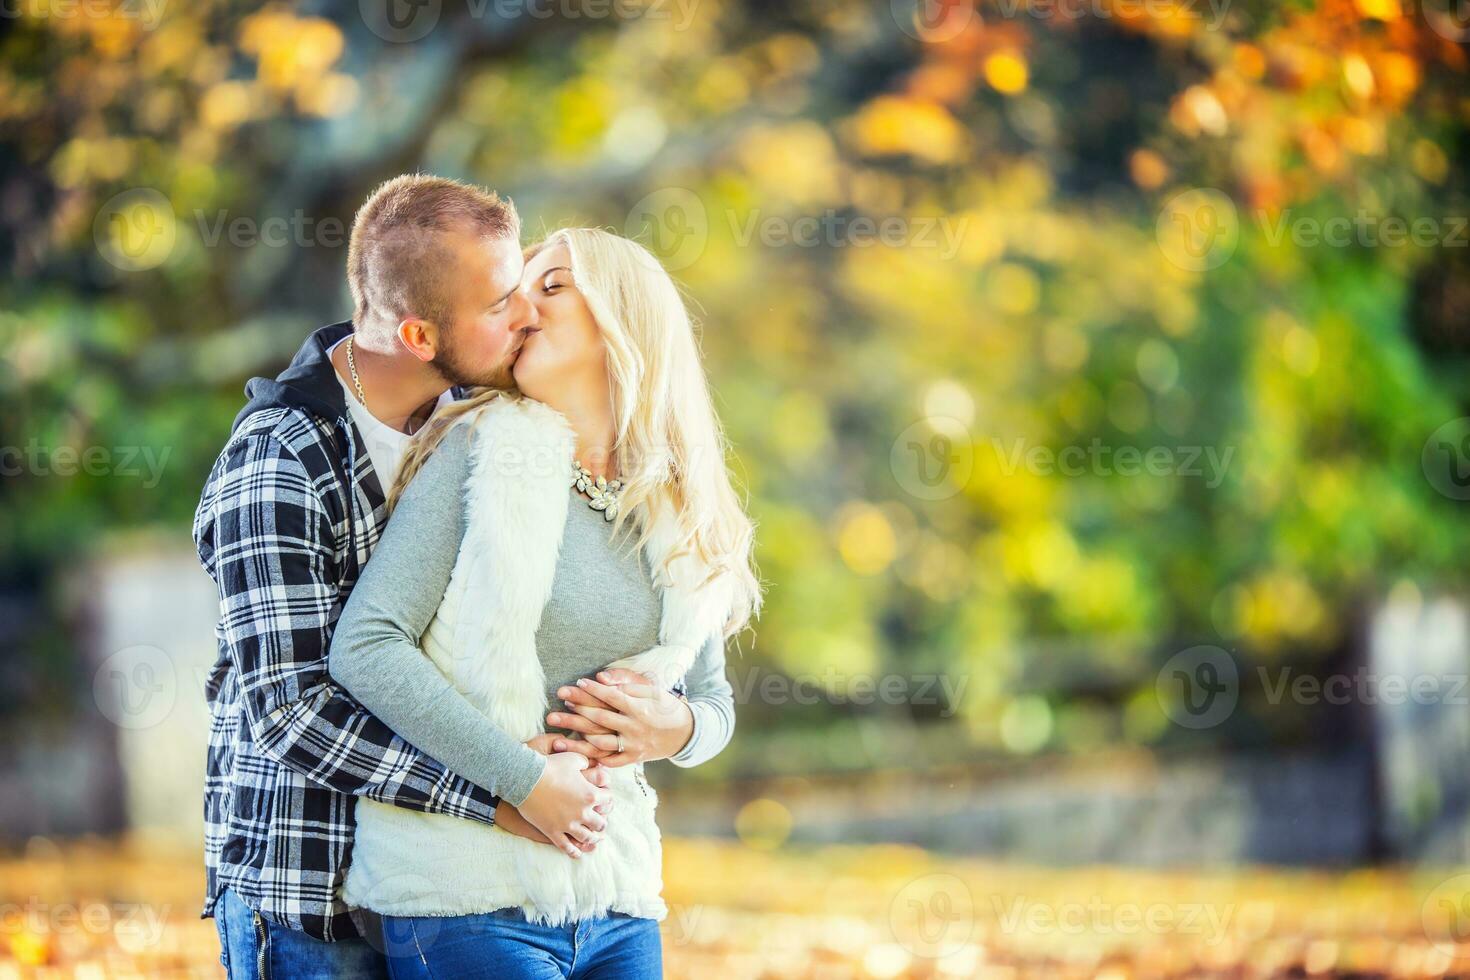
<point x="375" y="652"/>
<point x="712" y="701"/>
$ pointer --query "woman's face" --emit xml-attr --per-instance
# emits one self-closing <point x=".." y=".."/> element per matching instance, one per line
<point x="567" y="347"/>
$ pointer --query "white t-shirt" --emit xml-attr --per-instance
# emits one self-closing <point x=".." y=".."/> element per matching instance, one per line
<point x="386" y="446"/>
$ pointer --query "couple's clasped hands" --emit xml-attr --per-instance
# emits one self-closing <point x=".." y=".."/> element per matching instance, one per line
<point x="616" y="720"/>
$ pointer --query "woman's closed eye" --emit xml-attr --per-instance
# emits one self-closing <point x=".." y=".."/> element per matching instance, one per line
<point x="555" y="279"/>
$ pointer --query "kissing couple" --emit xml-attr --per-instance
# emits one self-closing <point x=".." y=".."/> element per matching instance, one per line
<point x="431" y="763"/>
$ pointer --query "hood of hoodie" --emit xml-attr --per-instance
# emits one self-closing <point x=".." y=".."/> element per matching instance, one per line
<point x="309" y="382"/>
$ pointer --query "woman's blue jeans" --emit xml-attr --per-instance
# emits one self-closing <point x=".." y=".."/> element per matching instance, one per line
<point x="504" y="945"/>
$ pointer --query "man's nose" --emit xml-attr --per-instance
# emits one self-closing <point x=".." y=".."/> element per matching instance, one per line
<point x="529" y="316"/>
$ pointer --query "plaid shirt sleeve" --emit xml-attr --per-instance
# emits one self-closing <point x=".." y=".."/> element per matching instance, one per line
<point x="272" y="556"/>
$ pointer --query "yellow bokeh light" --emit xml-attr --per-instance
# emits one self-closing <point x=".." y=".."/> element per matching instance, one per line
<point x="950" y="399"/>
<point x="865" y="538"/>
<point x="1430" y="161"/>
<point x="1358" y="76"/>
<point x="1026" y="725"/>
<point x="1381" y="9"/>
<point x="1007" y="73"/>
<point x="892" y="124"/>
<point x="1014" y="289"/>
<point x="763" y="824"/>
<point x="226" y="105"/>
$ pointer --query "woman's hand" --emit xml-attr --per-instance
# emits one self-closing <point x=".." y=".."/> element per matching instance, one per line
<point x="623" y="718"/>
<point x="565" y="805"/>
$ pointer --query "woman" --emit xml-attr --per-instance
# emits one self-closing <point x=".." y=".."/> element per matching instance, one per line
<point x="541" y="536"/>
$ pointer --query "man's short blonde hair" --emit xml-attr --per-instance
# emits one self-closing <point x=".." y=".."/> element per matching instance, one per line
<point x="398" y="263"/>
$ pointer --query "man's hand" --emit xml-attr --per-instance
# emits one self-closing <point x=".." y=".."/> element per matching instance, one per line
<point x="546" y="744"/>
<point x="652" y="722"/>
<point x="509" y="819"/>
<point x="549" y="744"/>
<point x="565" y="806"/>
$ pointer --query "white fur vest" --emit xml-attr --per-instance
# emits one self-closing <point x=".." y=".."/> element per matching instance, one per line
<point x="483" y="638"/>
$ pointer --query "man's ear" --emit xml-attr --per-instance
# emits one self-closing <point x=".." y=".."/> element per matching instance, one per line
<point x="420" y="337"/>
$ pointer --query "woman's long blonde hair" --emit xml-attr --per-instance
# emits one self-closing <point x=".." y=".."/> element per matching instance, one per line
<point x="669" y="450"/>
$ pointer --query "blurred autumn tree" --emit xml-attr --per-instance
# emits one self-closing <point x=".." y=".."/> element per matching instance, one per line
<point x="1037" y="284"/>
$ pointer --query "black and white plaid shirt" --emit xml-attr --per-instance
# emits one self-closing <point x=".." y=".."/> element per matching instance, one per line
<point x="289" y="515"/>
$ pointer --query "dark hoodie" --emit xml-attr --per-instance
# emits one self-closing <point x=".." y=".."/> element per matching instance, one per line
<point x="310" y="382"/>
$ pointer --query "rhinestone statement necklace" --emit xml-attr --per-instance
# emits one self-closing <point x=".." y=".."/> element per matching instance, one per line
<point x="602" y="494"/>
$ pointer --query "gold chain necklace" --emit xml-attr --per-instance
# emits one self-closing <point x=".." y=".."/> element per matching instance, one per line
<point x="603" y="494"/>
<point x="352" y="369"/>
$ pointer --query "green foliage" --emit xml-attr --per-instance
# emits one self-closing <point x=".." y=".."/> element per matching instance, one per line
<point x="1036" y="298"/>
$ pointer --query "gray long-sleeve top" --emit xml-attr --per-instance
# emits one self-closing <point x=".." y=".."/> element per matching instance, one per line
<point x="603" y="606"/>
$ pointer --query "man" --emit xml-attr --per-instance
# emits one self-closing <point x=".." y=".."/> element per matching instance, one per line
<point x="288" y="517"/>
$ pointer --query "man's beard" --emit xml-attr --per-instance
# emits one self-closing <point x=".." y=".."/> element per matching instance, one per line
<point x="456" y="371"/>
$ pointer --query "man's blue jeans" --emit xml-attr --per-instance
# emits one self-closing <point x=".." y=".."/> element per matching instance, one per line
<point x="253" y="948"/>
<point x="505" y="946"/>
